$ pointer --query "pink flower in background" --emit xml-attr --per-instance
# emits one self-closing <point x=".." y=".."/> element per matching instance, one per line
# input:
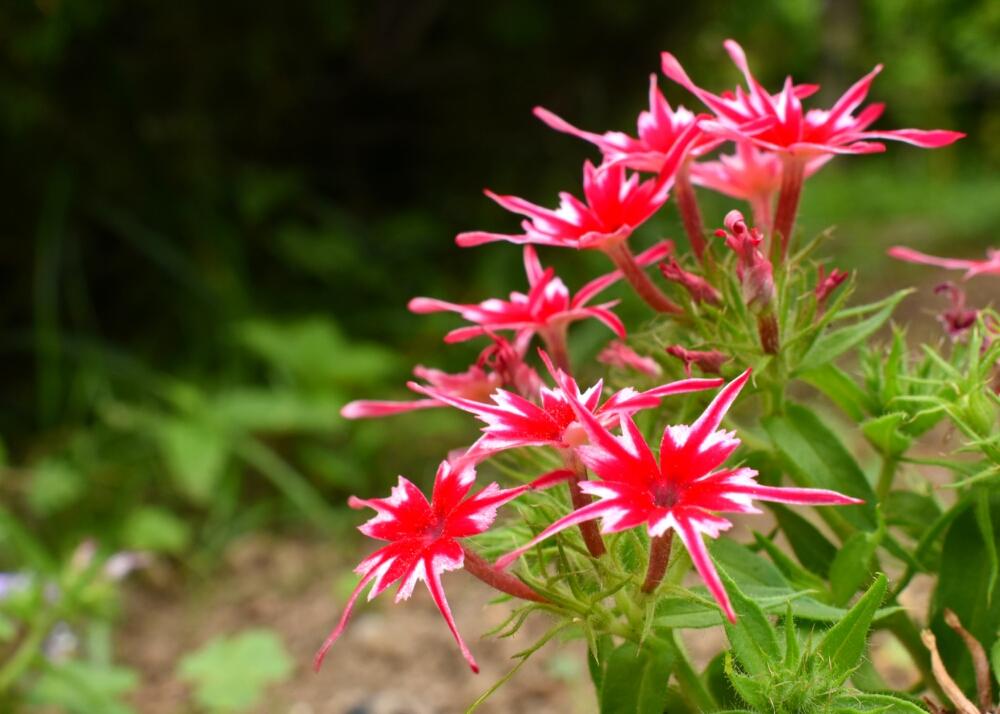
<point x="502" y="363"/>
<point x="513" y="421"/>
<point x="682" y="491"/>
<point x="424" y="538"/>
<point x="616" y="204"/>
<point x="957" y="319"/>
<point x="753" y="268"/>
<point x="546" y="307"/>
<point x="777" y="122"/>
<point x="972" y="268"/>
<point x="749" y="175"/>
<point x="659" y="130"/>
<point x="708" y="361"/>
<point x="618" y="354"/>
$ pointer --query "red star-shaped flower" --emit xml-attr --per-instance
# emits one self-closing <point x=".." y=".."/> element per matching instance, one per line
<point x="546" y="308"/>
<point x="659" y="130"/>
<point x="616" y="204"/>
<point x="683" y="490"/>
<point x="513" y="421"/>
<point x="778" y="122"/>
<point x="424" y="539"/>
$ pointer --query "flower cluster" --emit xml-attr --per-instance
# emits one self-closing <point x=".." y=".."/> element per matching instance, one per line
<point x="612" y="472"/>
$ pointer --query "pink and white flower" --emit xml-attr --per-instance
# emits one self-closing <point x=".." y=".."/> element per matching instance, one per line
<point x="424" y="539"/>
<point x="616" y="204"/>
<point x="658" y="130"/>
<point x="513" y="421"/>
<point x="545" y="308"/>
<point x="682" y="491"/>
<point x="778" y="122"/>
<point x="972" y="268"/>
<point x="618" y="354"/>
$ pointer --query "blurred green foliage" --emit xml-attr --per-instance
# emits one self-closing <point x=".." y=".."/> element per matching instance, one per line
<point x="216" y="214"/>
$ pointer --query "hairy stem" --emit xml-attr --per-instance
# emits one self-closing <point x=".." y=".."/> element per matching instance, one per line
<point x="659" y="557"/>
<point x="885" y="477"/>
<point x="640" y="281"/>
<point x="497" y="579"/>
<point x="588" y="529"/>
<point x="792" y="176"/>
<point x="767" y="327"/>
<point x="687" y="204"/>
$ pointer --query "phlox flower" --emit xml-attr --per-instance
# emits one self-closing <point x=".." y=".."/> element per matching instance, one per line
<point x="658" y="130"/>
<point x="749" y="174"/>
<point x="972" y="268"/>
<point x="513" y="421"/>
<point x="616" y="203"/>
<point x="618" y="354"/>
<point x="682" y="491"/>
<point x="424" y="539"/>
<point x="753" y="268"/>
<point x="777" y="122"/>
<point x="546" y="308"/>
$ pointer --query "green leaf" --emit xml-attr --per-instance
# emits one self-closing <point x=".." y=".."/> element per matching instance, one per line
<point x="752" y="691"/>
<point x="836" y="342"/>
<point x="54" y="486"/>
<point x="275" y="411"/>
<point x="815" y="458"/>
<point x="910" y="511"/>
<point x="963" y="586"/>
<point x="874" y="703"/>
<point x="797" y="576"/>
<point x="752" y="637"/>
<point x="995" y="659"/>
<point x="230" y="674"/>
<point x="885" y="433"/>
<point x="843" y="645"/>
<point x="811" y="547"/>
<point x="196" y="453"/>
<point x="852" y="566"/>
<point x="155" y="529"/>
<point x="984" y="520"/>
<point x="83" y="688"/>
<point x="841" y="390"/>
<point x="635" y="679"/>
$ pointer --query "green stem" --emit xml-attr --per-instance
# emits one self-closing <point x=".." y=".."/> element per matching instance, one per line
<point x="691" y="684"/>
<point x="27" y="651"/>
<point x="886" y="476"/>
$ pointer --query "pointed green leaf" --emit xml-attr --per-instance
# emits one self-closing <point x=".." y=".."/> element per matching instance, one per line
<point x="841" y="389"/>
<point x="811" y="547"/>
<point x="752" y="637"/>
<point x="885" y="433"/>
<point x="635" y="679"/>
<point x="815" y="458"/>
<point x="836" y="342"/>
<point x="870" y="703"/>
<point x="843" y="644"/>
<point x="752" y="692"/>
<point x="851" y="566"/>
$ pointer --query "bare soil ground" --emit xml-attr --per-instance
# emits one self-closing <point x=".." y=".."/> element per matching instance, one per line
<point x="393" y="659"/>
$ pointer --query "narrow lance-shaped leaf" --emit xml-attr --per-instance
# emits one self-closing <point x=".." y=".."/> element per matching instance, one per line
<point x="842" y="646"/>
<point x="635" y="679"/>
<point x="752" y="636"/>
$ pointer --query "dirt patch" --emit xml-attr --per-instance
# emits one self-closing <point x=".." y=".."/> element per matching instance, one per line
<point x="393" y="659"/>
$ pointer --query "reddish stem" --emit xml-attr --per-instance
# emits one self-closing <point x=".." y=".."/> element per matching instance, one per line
<point x="687" y="204"/>
<point x="640" y="281"/>
<point x="792" y="176"/>
<point x="760" y="204"/>
<point x="588" y="529"/>
<point x="659" y="558"/>
<point x="497" y="579"/>
<point x="555" y="343"/>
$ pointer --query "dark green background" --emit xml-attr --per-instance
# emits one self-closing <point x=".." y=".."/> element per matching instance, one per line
<point x="174" y="169"/>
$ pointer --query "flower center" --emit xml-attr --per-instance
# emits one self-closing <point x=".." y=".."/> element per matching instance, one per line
<point x="665" y="495"/>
